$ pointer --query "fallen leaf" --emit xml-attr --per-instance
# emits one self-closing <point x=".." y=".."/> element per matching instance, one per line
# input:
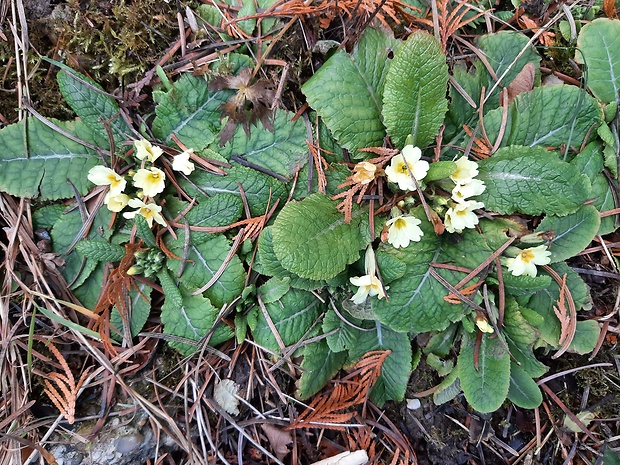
<point x="278" y="439"/>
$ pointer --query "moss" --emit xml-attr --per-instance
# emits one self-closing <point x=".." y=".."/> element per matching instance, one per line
<point x="115" y="42"/>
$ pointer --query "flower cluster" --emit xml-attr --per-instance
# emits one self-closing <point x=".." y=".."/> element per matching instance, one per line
<point x="148" y="179"/>
<point x="461" y="214"/>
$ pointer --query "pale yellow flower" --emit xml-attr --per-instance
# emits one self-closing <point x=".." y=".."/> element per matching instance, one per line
<point x="364" y="172"/>
<point x="462" y="192"/>
<point x="398" y="172"/>
<point x="103" y="176"/>
<point x="145" y="151"/>
<point x="149" y="211"/>
<point x="525" y="263"/>
<point x="181" y="162"/>
<point x="466" y="170"/>
<point x="404" y="229"/>
<point x="151" y="181"/>
<point x="116" y="202"/>
<point x="368" y="286"/>
<point x="483" y="325"/>
<point x="462" y="216"/>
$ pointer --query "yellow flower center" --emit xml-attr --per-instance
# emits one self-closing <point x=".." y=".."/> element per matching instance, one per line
<point x="400" y="223"/>
<point x="527" y="256"/>
<point x="402" y="168"/>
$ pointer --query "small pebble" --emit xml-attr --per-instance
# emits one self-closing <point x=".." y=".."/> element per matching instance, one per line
<point x="125" y="444"/>
<point x="413" y="404"/>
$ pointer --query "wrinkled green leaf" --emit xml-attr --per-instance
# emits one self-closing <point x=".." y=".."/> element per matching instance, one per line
<point x="190" y="111"/>
<point x="507" y="52"/>
<point x="140" y="310"/>
<point x="193" y="319"/>
<point x="293" y="315"/>
<point x="586" y="337"/>
<point x="539" y="118"/>
<point x="268" y="264"/>
<point x="347" y="91"/>
<point x="312" y="240"/>
<point x="260" y="189"/>
<point x="274" y="289"/>
<point x="573" y="232"/>
<point x="414" y="98"/>
<point x="521" y="337"/>
<point x="219" y="210"/>
<point x="523" y="391"/>
<point x="77" y="267"/>
<point x="100" y="251"/>
<point x="392" y="383"/>
<point x="486" y="387"/>
<point x="532" y="181"/>
<point x="205" y="256"/>
<point x="319" y="365"/>
<point x="603" y="193"/>
<point x="598" y="46"/>
<point x="94" y="107"/>
<point x="283" y="151"/>
<point x="39" y="162"/>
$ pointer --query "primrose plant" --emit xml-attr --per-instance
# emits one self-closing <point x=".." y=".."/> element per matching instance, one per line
<point x="430" y="220"/>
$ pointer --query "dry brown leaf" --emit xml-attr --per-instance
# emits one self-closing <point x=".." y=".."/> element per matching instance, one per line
<point x="523" y="82"/>
<point x="278" y="439"/>
<point x="251" y="103"/>
<point x="609" y="7"/>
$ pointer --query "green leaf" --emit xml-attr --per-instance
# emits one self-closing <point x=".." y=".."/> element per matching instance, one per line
<point x="448" y="389"/>
<point x="395" y="371"/>
<point x="88" y="290"/>
<point x="390" y="267"/>
<point x="347" y="91"/>
<point x="525" y="285"/>
<point x="193" y="319"/>
<point x="586" y="337"/>
<point x="416" y="301"/>
<point x="543" y="301"/>
<point x="521" y="337"/>
<point x="590" y="160"/>
<point x="100" y="251"/>
<point x="440" y="170"/>
<point x="283" y="151"/>
<point x="268" y="264"/>
<point x="523" y="391"/>
<point x="189" y="111"/>
<point x="507" y="52"/>
<point x="598" y="46"/>
<point x="205" y="255"/>
<point x="441" y="343"/>
<point x="94" y="107"/>
<point x="573" y="232"/>
<point x="260" y="189"/>
<point x="170" y="288"/>
<point x="486" y="387"/>
<point x="611" y="457"/>
<point x="320" y="364"/>
<point x="414" y="99"/>
<point x="539" y="118"/>
<point x="37" y="161"/>
<point x="603" y="193"/>
<point x="144" y="231"/>
<point x="293" y="315"/>
<point x="312" y="240"/>
<point x="346" y="334"/>
<point x="77" y="267"/>
<point x="140" y="309"/>
<point x="68" y="323"/>
<point x="274" y="289"/>
<point x="219" y="210"/>
<point x="532" y="181"/>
